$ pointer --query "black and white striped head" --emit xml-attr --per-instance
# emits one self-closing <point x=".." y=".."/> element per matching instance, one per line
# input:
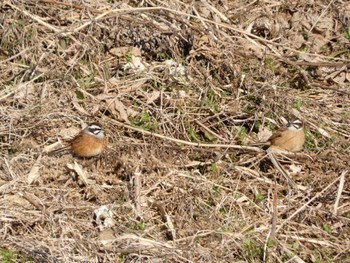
<point x="295" y="125"/>
<point x="95" y="129"/>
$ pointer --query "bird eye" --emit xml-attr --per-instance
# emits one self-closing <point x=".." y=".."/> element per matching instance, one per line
<point x="297" y="125"/>
<point x="95" y="130"/>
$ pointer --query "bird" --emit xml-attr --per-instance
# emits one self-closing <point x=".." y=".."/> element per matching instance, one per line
<point x="89" y="142"/>
<point x="290" y="138"/>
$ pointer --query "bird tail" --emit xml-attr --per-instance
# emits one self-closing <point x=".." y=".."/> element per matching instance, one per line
<point x="279" y="167"/>
<point x="259" y="144"/>
<point x="57" y="151"/>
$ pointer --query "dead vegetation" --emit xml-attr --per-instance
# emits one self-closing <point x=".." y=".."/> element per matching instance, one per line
<point x="181" y="88"/>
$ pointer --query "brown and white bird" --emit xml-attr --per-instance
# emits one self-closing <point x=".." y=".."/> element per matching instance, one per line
<point x="290" y="138"/>
<point x="89" y="142"/>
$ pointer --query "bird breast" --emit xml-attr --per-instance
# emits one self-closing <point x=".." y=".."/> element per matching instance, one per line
<point x="87" y="146"/>
<point x="292" y="141"/>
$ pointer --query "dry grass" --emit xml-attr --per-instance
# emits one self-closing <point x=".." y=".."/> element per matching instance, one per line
<point x="176" y="184"/>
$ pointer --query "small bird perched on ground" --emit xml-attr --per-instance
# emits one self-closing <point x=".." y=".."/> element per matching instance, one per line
<point x="89" y="142"/>
<point x="290" y="138"/>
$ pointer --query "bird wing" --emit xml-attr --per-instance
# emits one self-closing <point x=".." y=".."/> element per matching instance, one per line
<point x="276" y="135"/>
